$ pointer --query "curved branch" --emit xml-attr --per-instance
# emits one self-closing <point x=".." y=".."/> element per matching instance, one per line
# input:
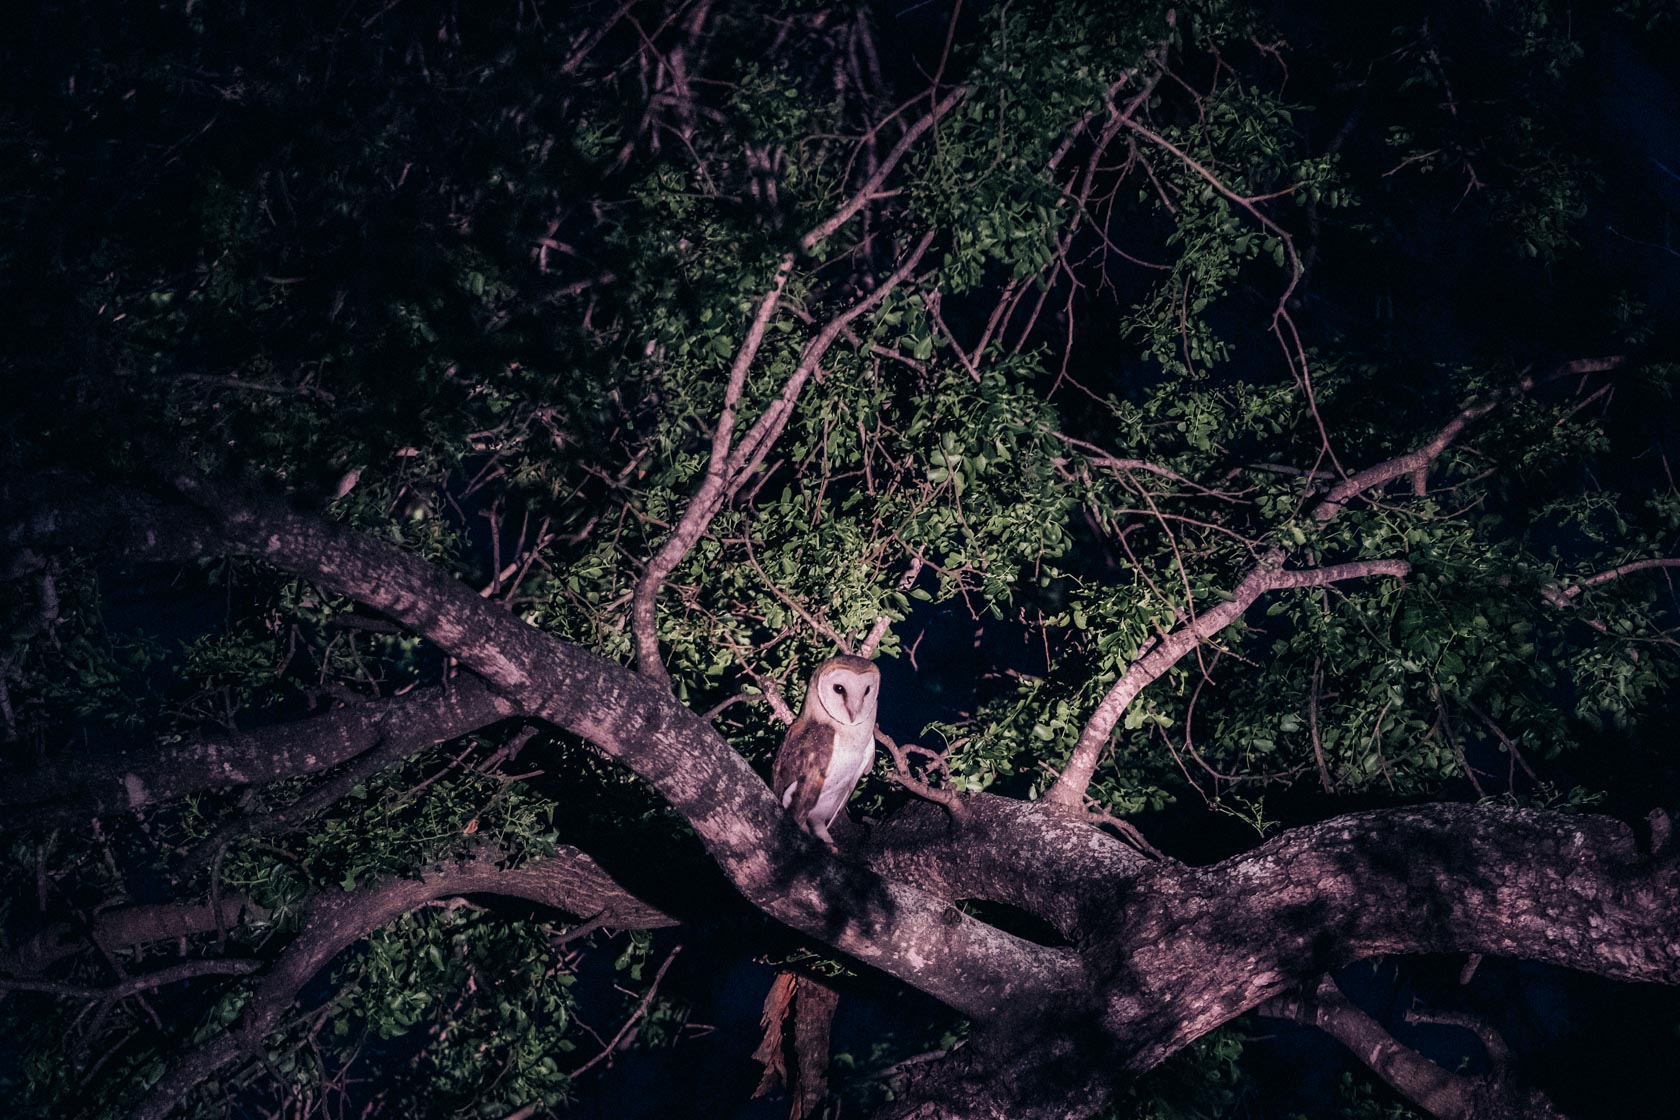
<point x="709" y="497"/>
<point x="570" y="881"/>
<point x="1416" y="463"/>
<point x="907" y="933"/>
<point x="1069" y="788"/>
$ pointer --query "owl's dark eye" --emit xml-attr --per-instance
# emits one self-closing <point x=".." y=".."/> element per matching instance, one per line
<point x="866" y="689"/>
<point x="840" y="689"/>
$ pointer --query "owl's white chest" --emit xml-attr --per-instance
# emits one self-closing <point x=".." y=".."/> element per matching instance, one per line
<point x="854" y="754"/>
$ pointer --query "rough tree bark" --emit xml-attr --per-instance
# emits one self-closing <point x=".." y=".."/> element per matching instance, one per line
<point x="1151" y="954"/>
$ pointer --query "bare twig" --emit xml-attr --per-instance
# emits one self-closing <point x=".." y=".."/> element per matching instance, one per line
<point x="949" y="798"/>
<point x="641" y="1009"/>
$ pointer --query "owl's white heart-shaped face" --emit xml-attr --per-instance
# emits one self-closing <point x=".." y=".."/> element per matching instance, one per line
<point x="847" y="691"/>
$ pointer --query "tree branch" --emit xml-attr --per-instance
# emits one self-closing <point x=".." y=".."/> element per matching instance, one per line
<point x="133" y="985"/>
<point x="1438" y="1091"/>
<point x="918" y="938"/>
<point x="570" y="881"/>
<point x="1069" y="789"/>
<point x="709" y="497"/>
<point x="1564" y="597"/>
<point x="93" y="785"/>
<point x="729" y="468"/>
<point x="1203" y="944"/>
<point x="1416" y="463"/>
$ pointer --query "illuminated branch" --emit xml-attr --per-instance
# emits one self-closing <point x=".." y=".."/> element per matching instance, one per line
<point x="729" y="467"/>
<point x="873" y="184"/>
<point x="1069" y="789"/>
<point x="1564" y="597"/>
<point x="570" y="882"/>
<point x="1416" y="463"/>
<point x="975" y="968"/>
<point x="709" y="497"/>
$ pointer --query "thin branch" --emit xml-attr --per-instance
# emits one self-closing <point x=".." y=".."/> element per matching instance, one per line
<point x="1416" y="463"/>
<point x="1101" y="458"/>
<point x="886" y="167"/>
<point x="709" y="498"/>
<point x="1563" y="597"/>
<point x="641" y="1009"/>
<point x="1324" y="778"/>
<point x="756" y="444"/>
<point x="949" y="798"/>
<point x="792" y="604"/>
<point x="1069" y="789"/>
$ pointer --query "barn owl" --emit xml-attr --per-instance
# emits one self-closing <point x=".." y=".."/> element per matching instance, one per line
<point x="831" y="746"/>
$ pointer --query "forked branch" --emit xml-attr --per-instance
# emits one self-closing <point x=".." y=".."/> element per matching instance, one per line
<point x="731" y="464"/>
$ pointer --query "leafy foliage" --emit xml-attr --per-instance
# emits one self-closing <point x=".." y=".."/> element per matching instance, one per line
<point x="473" y="279"/>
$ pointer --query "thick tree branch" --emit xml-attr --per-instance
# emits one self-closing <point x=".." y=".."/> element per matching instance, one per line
<point x="88" y="786"/>
<point x="1180" y="949"/>
<point x="1203" y="944"/>
<point x="916" y="937"/>
<point x="124" y="928"/>
<point x="1008" y="851"/>
<point x="1184" y="949"/>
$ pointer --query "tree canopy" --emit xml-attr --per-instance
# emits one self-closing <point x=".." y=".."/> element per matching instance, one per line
<point x="441" y="440"/>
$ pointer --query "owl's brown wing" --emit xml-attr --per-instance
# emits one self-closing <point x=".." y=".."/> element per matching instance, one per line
<point x="804" y="757"/>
